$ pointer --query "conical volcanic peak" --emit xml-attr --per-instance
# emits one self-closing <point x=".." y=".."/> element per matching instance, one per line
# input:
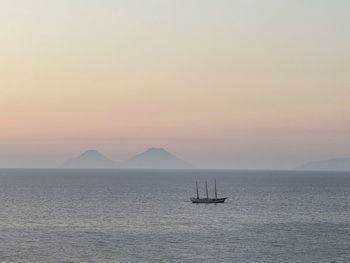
<point x="92" y="154"/>
<point x="156" y="158"/>
<point x="158" y="152"/>
<point x="90" y="159"/>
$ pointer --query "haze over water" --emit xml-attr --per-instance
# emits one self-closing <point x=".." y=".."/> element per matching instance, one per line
<point x="222" y="84"/>
<point x="204" y="84"/>
<point x="145" y="216"/>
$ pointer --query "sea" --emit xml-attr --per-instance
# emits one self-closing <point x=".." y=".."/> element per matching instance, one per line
<point x="57" y="215"/>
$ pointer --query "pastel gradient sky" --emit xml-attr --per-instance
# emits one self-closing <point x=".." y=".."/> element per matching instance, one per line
<point x="221" y="83"/>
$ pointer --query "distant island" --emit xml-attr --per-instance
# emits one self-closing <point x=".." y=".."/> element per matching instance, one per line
<point x="336" y="164"/>
<point x="90" y="159"/>
<point x="153" y="158"/>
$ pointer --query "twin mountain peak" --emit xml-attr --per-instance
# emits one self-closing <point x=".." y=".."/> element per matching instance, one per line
<point x="153" y="158"/>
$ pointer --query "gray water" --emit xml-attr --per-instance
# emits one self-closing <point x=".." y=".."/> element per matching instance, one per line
<point x="146" y="216"/>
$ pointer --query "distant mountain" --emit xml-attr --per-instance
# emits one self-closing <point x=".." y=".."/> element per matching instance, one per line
<point x="337" y="164"/>
<point x="156" y="158"/>
<point x="90" y="159"/>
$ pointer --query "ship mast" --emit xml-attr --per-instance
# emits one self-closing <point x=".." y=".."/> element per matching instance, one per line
<point x="216" y="194"/>
<point x="197" y="190"/>
<point x="206" y="189"/>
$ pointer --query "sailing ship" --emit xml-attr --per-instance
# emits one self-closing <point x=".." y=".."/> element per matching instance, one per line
<point x="207" y="200"/>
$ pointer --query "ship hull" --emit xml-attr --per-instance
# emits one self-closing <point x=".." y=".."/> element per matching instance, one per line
<point x="208" y="200"/>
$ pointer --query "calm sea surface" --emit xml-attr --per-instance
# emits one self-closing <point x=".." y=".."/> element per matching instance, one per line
<point x="145" y="216"/>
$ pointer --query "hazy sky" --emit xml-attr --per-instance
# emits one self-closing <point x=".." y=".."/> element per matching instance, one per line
<point x="221" y="83"/>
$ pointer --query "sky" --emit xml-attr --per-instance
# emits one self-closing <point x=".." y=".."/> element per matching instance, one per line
<point x="222" y="84"/>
